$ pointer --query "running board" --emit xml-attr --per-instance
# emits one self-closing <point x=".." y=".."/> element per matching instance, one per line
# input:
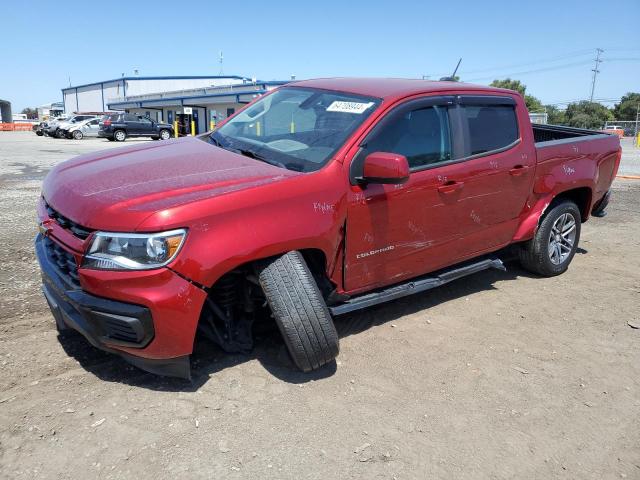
<point x="415" y="286"/>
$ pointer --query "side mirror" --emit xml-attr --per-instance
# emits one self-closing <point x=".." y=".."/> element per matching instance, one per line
<point x="384" y="167"/>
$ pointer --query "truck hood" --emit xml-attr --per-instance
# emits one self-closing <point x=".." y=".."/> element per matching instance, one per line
<point x="117" y="189"/>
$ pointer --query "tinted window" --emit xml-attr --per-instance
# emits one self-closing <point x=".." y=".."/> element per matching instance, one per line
<point x="145" y="121"/>
<point x="130" y="118"/>
<point x="491" y="127"/>
<point x="422" y="135"/>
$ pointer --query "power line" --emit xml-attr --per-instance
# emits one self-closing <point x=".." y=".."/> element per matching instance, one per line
<point x="573" y="54"/>
<point x="544" y="69"/>
<point x="595" y="72"/>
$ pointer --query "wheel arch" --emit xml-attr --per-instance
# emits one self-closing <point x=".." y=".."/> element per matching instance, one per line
<point x="582" y="196"/>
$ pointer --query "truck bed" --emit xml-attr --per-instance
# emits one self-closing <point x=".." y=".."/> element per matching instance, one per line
<point x="577" y="156"/>
<point x="543" y="134"/>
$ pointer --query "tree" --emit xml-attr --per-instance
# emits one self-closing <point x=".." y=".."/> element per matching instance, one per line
<point x="587" y="114"/>
<point x="555" y="115"/>
<point x="31" y="113"/>
<point x="628" y="107"/>
<point x="533" y="104"/>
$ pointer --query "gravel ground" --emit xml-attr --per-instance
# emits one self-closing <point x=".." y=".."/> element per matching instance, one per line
<point x="499" y="375"/>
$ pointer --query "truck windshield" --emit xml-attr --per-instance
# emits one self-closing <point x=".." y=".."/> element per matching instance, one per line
<point x="295" y="128"/>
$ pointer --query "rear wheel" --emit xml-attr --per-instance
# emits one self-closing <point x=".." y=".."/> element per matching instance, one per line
<point x="299" y="311"/>
<point x="119" y="135"/>
<point x="77" y="135"/>
<point x="165" y="134"/>
<point x="555" y="243"/>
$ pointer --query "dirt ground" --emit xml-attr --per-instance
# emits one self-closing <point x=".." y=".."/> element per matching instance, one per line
<point x="501" y="375"/>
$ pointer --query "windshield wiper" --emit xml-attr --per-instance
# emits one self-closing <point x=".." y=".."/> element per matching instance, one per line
<point x="215" y="141"/>
<point x="257" y="156"/>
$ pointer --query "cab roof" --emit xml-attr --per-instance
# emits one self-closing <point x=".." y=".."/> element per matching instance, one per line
<point x="393" y="88"/>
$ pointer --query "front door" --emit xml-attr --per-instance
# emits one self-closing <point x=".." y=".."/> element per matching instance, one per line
<point x="452" y="207"/>
<point x="91" y="128"/>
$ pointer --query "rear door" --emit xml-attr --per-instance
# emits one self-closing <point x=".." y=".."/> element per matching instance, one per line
<point x="500" y="163"/>
<point x="132" y="124"/>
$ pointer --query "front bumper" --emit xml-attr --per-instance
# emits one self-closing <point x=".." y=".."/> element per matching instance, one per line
<point x="144" y="335"/>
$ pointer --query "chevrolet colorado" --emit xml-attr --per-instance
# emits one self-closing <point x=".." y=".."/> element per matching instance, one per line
<point x="317" y="199"/>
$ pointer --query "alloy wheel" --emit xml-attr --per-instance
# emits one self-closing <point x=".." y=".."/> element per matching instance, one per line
<point x="562" y="238"/>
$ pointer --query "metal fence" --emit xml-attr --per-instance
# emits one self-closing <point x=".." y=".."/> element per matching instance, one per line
<point x="631" y="127"/>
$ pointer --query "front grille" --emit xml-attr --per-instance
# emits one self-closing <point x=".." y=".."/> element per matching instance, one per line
<point x="63" y="261"/>
<point x="78" y="230"/>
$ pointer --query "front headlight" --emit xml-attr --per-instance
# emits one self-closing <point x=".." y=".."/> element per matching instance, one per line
<point x="133" y="251"/>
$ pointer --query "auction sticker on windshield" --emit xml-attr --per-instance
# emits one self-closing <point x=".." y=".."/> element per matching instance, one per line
<point x="348" y="107"/>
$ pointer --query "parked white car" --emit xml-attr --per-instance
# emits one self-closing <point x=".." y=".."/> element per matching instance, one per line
<point x="86" y="128"/>
<point x="60" y="130"/>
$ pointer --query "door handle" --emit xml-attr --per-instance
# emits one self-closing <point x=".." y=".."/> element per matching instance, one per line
<point x="518" y="170"/>
<point x="450" y="187"/>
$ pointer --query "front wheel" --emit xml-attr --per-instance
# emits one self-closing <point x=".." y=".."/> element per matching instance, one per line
<point x="77" y="135"/>
<point x="165" y="134"/>
<point x="551" y="250"/>
<point x="299" y="311"/>
<point x="119" y="136"/>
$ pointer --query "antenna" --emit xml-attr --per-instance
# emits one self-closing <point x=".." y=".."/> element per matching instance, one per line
<point x="452" y="78"/>
<point x="220" y="60"/>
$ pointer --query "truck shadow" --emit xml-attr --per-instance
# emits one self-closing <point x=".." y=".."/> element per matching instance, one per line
<point x="270" y="351"/>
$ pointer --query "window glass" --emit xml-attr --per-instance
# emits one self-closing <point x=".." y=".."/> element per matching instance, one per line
<point x="422" y="135"/>
<point x="130" y="118"/>
<point x="491" y="127"/>
<point x="297" y="128"/>
<point x="144" y="120"/>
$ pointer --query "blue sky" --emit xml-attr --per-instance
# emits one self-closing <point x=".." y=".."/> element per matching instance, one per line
<point x="550" y="46"/>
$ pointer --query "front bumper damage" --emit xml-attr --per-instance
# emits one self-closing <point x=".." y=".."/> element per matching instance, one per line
<point x="114" y="326"/>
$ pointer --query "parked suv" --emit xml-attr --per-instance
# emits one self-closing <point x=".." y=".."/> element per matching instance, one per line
<point x="119" y="126"/>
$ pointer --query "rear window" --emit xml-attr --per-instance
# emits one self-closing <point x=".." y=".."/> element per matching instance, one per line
<point x="491" y="127"/>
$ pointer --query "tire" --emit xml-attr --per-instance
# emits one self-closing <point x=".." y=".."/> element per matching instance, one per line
<point x="119" y="135"/>
<point x="111" y="139"/>
<point x="39" y="133"/>
<point x="77" y="135"/>
<point x="60" y="133"/>
<point x="550" y="252"/>
<point x="299" y="311"/>
<point x="165" y="134"/>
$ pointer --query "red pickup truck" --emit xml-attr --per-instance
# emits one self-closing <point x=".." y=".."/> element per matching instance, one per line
<point x="318" y="199"/>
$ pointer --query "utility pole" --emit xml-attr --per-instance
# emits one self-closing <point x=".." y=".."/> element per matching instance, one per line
<point x="595" y="72"/>
<point x="637" y="117"/>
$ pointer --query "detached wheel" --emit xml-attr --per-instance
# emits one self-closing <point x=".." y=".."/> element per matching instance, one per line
<point x="165" y="134"/>
<point x="119" y="136"/>
<point x="551" y="250"/>
<point x="299" y="311"/>
<point x="77" y="135"/>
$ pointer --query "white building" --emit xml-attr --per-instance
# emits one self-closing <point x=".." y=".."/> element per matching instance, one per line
<point x="206" y="99"/>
